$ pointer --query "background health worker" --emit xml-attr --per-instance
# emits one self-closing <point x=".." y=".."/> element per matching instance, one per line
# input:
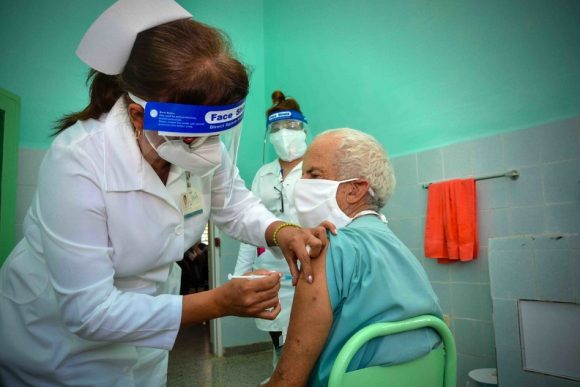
<point x="90" y="295"/>
<point x="274" y="184"/>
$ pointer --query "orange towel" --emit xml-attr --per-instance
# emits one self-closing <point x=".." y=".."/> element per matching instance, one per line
<point x="451" y="226"/>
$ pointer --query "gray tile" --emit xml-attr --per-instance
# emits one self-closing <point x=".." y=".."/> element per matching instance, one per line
<point x="553" y="381"/>
<point x="488" y="156"/>
<point x="458" y="160"/>
<point x="528" y="189"/>
<point x="470" y="271"/>
<point x="562" y="181"/>
<point x="409" y="231"/>
<point x="510" y="273"/>
<point x="557" y="241"/>
<point x="576" y="262"/>
<point x="492" y="224"/>
<point x="505" y="320"/>
<point x="560" y="141"/>
<point x="407" y="201"/>
<point x="522" y="147"/>
<point x="466" y="300"/>
<point x="19" y="233"/>
<point x="28" y="164"/>
<point x="444" y="294"/>
<point x="437" y="272"/>
<point x="563" y="218"/>
<point x="468" y="336"/>
<point x="573" y="241"/>
<point x="488" y="334"/>
<point x="510" y="372"/>
<point x="486" y="303"/>
<point x="405" y="169"/>
<point x="24" y="199"/>
<point x="483" y="261"/>
<point x="554" y="275"/>
<point x="492" y="193"/>
<point x="527" y="220"/>
<point x="511" y="243"/>
<point x="430" y="166"/>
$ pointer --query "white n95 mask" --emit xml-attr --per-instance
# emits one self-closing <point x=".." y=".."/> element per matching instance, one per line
<point x="201" y="159"/>
<point x="315" y="201"/>
<point x="289" y="144"/>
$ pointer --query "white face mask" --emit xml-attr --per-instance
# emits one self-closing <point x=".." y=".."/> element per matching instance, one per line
<point x="315" y="201"/>
<point x="199" y="160"/>
<point x="289" y="144"/>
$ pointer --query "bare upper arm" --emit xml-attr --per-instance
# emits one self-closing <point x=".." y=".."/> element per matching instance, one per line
<point x="310" y="322"/>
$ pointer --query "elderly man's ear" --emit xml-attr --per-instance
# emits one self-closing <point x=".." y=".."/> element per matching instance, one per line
<point x="357" y="191"/>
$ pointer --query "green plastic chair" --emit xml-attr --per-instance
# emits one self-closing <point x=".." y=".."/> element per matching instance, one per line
<point x="436" y="369"/>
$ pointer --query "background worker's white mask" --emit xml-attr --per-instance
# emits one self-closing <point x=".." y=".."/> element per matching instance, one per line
<point x="289" y="144"/>
<point x="200" y="160"/>
<point x="315" y="201"/>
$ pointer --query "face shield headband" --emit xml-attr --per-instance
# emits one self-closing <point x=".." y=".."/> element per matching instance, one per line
<point x="180" y="120"/>
<point x="276" y="120"/>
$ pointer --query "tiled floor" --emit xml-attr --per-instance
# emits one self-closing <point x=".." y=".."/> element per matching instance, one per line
<point x="192" y="365"/>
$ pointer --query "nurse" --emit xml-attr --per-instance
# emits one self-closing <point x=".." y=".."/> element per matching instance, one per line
<point x="90" y="295"/>
<point x="274" y="184"/>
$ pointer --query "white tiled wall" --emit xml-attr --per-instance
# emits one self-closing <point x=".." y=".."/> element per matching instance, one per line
<point x="28" y="164"/>
<point x="545" y="199"/>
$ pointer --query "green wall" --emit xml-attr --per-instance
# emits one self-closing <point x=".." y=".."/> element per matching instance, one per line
<point x="242" y="22"/>
<point x="37" y="44"/>
<point x="421" y="74"/>
<point x="416" y="74"/>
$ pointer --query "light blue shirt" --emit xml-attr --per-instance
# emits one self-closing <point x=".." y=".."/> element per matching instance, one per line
<point x="373" y="277"/>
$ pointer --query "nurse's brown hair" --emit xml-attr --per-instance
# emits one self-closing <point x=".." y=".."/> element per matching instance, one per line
<point x="183" y="61"/>
<point x="280" y="103"/>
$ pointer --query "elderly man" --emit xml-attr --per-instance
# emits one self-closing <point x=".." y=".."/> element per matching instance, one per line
<point x="366" y="274"/>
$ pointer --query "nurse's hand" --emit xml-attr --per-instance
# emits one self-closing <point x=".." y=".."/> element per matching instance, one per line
<point x="302" y="244"/>
<point x="257" y="297"/>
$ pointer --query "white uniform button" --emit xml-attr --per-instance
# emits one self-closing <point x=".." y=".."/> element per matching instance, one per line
<point x="179" y="229"/>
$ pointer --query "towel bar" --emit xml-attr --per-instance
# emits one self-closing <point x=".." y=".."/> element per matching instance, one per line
<point x="513" y="174"/>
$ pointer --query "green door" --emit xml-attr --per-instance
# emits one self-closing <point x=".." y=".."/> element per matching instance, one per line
<point x="9" y="128"/>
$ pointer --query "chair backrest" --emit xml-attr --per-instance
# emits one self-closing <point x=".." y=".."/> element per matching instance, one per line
<point x="437" y="368"/>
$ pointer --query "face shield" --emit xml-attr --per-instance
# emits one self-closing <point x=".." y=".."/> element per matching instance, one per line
<point x="197" y="138"/>
<point x="286" y="136"/>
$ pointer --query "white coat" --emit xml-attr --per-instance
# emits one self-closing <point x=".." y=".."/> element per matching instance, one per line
<point x="90" y="295"/>
<point x="268" y="177"/>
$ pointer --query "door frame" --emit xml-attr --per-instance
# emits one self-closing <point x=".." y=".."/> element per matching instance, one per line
<point x="10" y="106"/>
<point x="215" y="327"/>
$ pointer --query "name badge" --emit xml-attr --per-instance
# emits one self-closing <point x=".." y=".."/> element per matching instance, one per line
<point x="191" y="200"/>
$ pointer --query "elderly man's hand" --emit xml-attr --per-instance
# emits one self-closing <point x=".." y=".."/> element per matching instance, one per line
<point x="302" y="244"/>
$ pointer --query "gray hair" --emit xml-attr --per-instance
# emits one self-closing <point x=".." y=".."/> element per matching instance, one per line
<point x="361" y="155"/>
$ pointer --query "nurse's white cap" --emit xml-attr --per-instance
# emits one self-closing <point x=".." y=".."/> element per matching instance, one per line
<point x="108" y="42"/>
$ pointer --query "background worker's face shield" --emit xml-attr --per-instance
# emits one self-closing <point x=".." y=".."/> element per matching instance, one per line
<point x="286" y="136"/>
<point x="197" y="138"/>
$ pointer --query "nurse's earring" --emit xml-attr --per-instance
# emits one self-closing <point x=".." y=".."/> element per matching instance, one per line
<point x="136" y="116"/>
